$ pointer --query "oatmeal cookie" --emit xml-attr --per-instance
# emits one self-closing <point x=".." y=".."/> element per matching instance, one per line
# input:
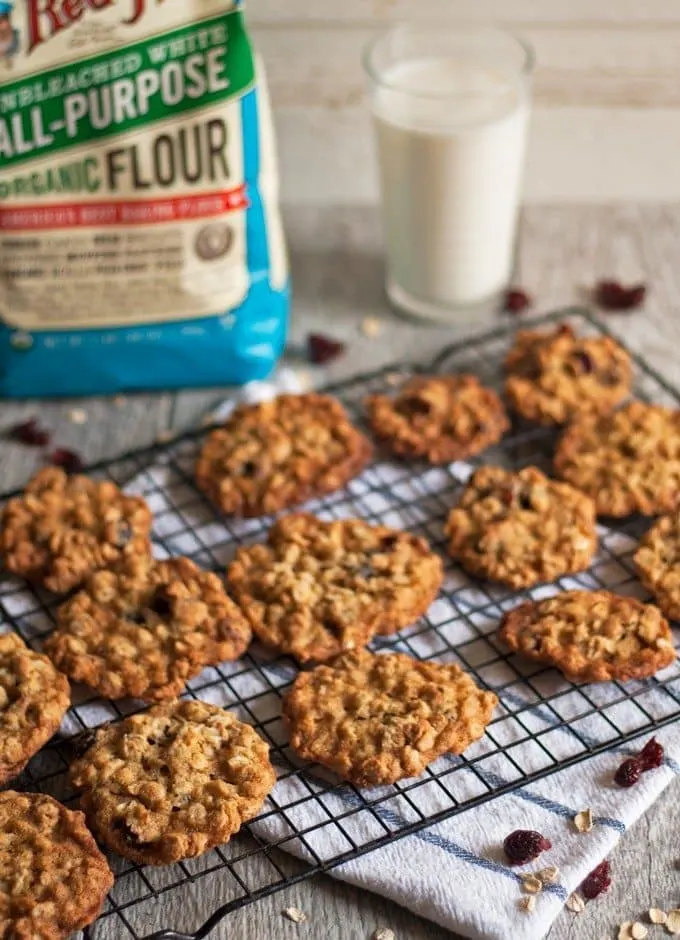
<point x="591" y="636"/>
<point x="377" y="718"/>
<point x="657" y="561"/>
<point x="145" y="627"/>
<point x="554" y="377"/>
<point x="627" y="462"/>
<point x="65" y="527"/>
<point x="280" y="453"/>
<point x="521" y="528"/>
<point x="318" y="588"/>
<point x="53" y="878"/>
<point x="440" y="418"/>
<point x="34" y="698"/>
<point x="173" y="782"/>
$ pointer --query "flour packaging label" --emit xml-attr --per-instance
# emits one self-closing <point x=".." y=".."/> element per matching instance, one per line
<point x="140" y="238"/>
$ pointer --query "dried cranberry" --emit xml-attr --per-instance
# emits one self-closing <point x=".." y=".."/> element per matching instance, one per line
<point x="524" y="845"/>
<point x="516" y="301"/>
<point x="597" y="881"/>
<point x="651" y="755"/>
<point x="68" y="460"/>
<point x="322" y="349"/>
<point x="629" y="772"/>
<point x="611" y="295"/>
<point x="29" y="433"/>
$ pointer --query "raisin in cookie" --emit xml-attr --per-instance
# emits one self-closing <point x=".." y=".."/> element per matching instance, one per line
<point x="53" y="878"/>
<point x="318" y="588"/>
<point x="591" y="636"/>
<point x="145" y="627"/>
<point x="627" y="462"/>
<point x="521" y="528"/>
<point x="377" y="718"/>
<point x="173" y="782"/>
<point x="657" y="561"/>
<point x="280" y="453"/>
<point x="34" y="698"/>
<point x="65" y="527"/>
<point x="554" y="377"/>
<point x="440" y="418"/>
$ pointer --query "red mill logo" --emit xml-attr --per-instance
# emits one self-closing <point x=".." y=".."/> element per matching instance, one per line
<point x="46" y="18"/>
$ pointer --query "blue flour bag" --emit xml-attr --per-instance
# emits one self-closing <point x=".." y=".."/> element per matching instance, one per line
<point x="140" y="238"/>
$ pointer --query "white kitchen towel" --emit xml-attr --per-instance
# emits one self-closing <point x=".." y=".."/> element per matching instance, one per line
<point x="452" y="872"/>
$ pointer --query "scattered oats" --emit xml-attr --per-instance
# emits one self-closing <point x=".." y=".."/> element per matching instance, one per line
<point x="528" y="904"/>
<point x="120" y="401"/>
<point x="531" y="884"/>
<point x="575" y="904"/>
<point x="584" y="820"/>
<point x="295" y="914"/>
<point x="164" y="437"/>
<point x="673" y="921"/>
<point x="382" y="933"/>
<point x="77" y="416"/>
<point x="394" y="379"/>
<point x="638" y="931"/>
<point x="548" y="875"/>
<point x="305" y="380"/>
<point x="657" y="916"/>
<point x="371" y="327"/>
<point x="624" y="930"/>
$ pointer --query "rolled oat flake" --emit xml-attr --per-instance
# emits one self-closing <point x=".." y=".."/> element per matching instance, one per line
<point x="140" y="237"/>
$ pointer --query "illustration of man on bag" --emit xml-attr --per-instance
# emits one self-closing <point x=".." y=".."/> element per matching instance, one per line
<point x="9" y="36"/>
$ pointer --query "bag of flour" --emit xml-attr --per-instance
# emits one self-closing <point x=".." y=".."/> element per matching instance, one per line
<point x="140" y="237"/>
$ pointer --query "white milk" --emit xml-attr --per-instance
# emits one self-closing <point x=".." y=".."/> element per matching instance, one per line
<point x="451" y="170"/>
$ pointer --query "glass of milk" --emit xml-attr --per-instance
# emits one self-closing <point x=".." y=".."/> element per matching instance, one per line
<point x="451" y="110"/>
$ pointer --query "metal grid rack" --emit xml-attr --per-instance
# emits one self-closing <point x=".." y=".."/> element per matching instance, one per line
<point x="313" y="822"/>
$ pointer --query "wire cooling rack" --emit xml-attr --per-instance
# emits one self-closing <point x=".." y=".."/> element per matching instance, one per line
<point x="313" y="822"/>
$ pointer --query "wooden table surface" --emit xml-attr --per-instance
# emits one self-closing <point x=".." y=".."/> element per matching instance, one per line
<point x="336" y="258"/>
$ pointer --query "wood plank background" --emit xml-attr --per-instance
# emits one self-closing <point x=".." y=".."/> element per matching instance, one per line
<point x="607" y="93"/>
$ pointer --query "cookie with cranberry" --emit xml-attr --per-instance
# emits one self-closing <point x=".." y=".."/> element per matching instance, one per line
<point x="438" y="418"/>
<point x="378" y="718"/>
<point x="280" y="453"/>
<point x="318" y="588"/>
<point x="521" y="528"/>
<point x="53" y="878"/>
<point x="556" y="376"/>
<point x="627" y="462"/>
<point x="591" y="636"/>
<point x="145" y="627"/>
<point x="173" y="782"/>
<point x="62" y="528"/>
<point x="34" y="698"/>
<point x="657" y="562"/>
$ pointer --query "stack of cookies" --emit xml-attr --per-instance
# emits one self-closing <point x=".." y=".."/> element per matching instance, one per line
<point x="183" y="776"/>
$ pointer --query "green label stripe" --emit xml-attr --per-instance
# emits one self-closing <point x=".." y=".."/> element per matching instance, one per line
<point x="118" y="91"/>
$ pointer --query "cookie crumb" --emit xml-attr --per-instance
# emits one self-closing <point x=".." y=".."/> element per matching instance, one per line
<point x="382" y="933"/>
<point x="295" y="914"/>
<point x="549" y="875"/>
<point x="77" y="416"/>
<point x="371" y="327"/>
<point x="673" y="921"/>
<point x="583" y="821"/>
<point x="528" y="904"/>
<point x="575" y="904"/>
<point x="638" y="931"/>
<point x="657" y="916"/>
